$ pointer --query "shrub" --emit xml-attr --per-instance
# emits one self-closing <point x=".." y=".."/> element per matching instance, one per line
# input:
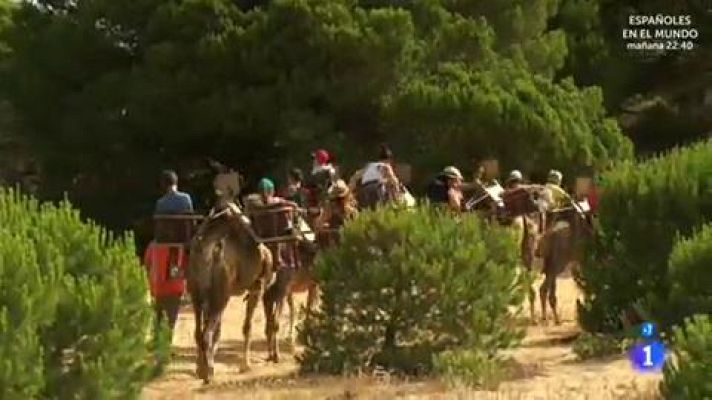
<point x="643" y="208"/>
<point x="405" y="286"/>
<point x="595" y="345"/>
<point x="74" y="318"/>
<point x="691" y="291"/>
<point x="687" y="375"/>
<point x="471" y="368"/>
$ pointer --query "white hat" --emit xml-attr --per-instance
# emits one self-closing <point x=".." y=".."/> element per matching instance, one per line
<point x="452" y="172"/>
<point x="555" y="176"/>
<point x="338" y="189"/>
<point x="515" y="175"/>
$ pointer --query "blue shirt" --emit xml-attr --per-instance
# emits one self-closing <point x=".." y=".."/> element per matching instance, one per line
<point x="174" y="203"/>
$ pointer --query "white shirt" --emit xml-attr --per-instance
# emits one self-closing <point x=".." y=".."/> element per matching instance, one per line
<point x="325" y="167"/>
<point x="373" y="172"/>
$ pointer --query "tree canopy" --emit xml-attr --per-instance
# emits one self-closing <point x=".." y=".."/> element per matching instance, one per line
<point x="662" y="98"/>
<point x="109" y="92"/>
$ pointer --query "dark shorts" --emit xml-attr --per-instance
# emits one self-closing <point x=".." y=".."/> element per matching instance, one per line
<point x="371" y="194"/>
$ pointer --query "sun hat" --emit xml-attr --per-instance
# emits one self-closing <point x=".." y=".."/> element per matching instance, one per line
<point x="452" y="172"/>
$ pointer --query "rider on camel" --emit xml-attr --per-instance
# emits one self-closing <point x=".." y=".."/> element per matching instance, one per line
<point x="295" y="190"/>
<point x="173" y="201"/>
<point x="454" y="185"/>
<point x="379" y="183"/>
<point x="281" y="253"/>
<point x="323" y="174"/>
<point x="340" y="208"/>
<point x="514" y="180"/>
<point x="166" y="262"/>
<point x="446" y="189"/>
<point x="558" y="196"/>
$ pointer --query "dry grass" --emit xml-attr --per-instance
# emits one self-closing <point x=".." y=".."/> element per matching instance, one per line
<point x="547" y="369"/>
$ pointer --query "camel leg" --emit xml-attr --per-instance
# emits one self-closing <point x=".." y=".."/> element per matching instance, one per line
<point x="200" y="345"/>
<point x="290" y="303"/>
<point x="268" y="302"/>
<point x="552" y="300"/>
<point x="531" y="294"/>
<point x="532" y="302"/>
<point x="211" y="328"/>
<point x="252" y="298"/>
<point x="543" y="294"/>
<point x="312" y="294"/>
<point x="273" y="300"/>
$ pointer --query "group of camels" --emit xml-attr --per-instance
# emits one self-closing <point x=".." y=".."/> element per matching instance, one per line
<point x="228" y="259"/>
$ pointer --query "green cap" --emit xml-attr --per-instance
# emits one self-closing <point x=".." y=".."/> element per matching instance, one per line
<point x="266" y="184"/>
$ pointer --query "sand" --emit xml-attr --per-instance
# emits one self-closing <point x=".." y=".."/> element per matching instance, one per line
<point x="550" y="370"/>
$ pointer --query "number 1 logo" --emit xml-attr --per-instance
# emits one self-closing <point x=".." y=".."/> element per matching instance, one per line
<point x="648" y="354"/>
<point x="648" y="357"/>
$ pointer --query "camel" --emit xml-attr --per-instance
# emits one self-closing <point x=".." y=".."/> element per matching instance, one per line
<point x="294" y="243"/>
<point x="560" y="245"/>
<point x="225" y="260"/>
<point x="301" y="279"/>
<point x="396" y="193"/>
<point x="528" y="225"/>
<point x="298" y="280"/>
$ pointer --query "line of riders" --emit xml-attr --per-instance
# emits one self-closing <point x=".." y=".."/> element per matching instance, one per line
<point x="550" y="224"/>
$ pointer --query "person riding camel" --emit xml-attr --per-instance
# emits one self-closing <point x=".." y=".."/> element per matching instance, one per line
<point x="323" y="174"/>
<point x="282" y="253"/>
<point x="295" y="190"/>
<point x="454" y="188"/>
<point x="340" y="208"/>
<point x="514" y="180"/>
<point x="166" y="262"/>
<point x="558" y="196"/>
<point x="379" y="183"/>
<point x="173" y="201"/>
<point x="446" y="189"/>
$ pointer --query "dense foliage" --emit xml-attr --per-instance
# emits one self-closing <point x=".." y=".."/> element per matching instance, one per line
<point x="74" y="316"/>
<point x="686" y="375"/>
<point x="661" y="97"/>
<point x="691" y="290"/>
<point x="644" y="207"/>
<point x="405" y="286"/>
<point x="136" y="86"/>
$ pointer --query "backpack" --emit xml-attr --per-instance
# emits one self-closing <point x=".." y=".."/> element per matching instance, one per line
<point x="437" y="191"/>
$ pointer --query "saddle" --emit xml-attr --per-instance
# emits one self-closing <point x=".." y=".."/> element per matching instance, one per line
<point x="520" y="201"/>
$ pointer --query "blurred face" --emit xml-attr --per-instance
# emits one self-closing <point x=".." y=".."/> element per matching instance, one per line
<point x="454" y="183"/>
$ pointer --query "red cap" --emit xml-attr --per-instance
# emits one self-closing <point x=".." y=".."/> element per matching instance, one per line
<point x="322" y="157"/>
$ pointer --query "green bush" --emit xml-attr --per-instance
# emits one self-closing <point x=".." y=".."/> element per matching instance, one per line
<point x="74" y="316"/>
<point x="595" y="345"/>
<point x="691" y="291"/>
<point x="643" y="208"/>
<point x="687" y="374"/>
<point x="405" y="286"/>
<point x="471" y="368"/>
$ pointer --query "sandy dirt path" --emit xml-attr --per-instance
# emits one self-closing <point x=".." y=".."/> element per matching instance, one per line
<point x="550" y="369"/>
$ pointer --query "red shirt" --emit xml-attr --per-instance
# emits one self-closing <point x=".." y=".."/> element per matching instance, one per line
<point x="158" y="259"/>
